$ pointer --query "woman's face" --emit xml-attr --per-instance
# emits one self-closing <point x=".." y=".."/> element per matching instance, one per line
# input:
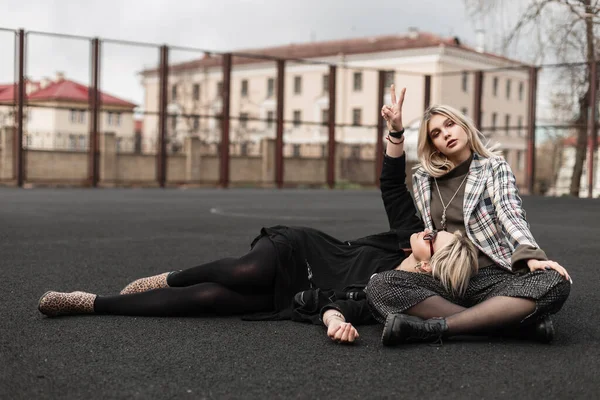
<point x="449" y="138"/>
<point x="420" y="243"/>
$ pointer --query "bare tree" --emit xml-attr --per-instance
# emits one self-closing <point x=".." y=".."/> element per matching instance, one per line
<point x="552" y="31"/>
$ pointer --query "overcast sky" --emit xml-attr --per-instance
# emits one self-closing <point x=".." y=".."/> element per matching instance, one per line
<point x="219" y="25"/>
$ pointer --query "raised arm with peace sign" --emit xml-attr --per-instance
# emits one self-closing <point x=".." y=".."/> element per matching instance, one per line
<point x="393" y="114"/>
<point x="393" y="117"/>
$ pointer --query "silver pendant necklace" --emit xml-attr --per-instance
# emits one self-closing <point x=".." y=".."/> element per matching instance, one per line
<point x="445" y="206"/>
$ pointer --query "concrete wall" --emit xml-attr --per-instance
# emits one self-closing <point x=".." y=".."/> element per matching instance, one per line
<point x="56" y="166"/>
<point x="191" y="167"/>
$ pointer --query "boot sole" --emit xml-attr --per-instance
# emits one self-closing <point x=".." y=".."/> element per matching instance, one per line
<point x="549" y="330"/>
<point x="386" y="335"/>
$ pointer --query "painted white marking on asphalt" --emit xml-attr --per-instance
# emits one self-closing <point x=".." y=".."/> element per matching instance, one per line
<point x="220" y="211"/>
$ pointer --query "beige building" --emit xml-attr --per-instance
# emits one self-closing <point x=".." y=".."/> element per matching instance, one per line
<point x="57" y="117"/>
<point x="194" y="95"/>
<point x="562" y="184"/>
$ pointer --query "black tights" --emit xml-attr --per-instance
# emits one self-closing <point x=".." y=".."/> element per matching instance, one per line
<point x="224" y="287"/>
<point x="483" y="318"/>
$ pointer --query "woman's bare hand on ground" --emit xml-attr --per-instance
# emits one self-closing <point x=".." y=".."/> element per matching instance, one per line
<point x="393" y="113"/>
<point x="342" y="332"/>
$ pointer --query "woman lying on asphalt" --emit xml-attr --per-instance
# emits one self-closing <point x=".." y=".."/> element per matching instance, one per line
<point x="463" y="185"/>
<point x="286" y="260"/>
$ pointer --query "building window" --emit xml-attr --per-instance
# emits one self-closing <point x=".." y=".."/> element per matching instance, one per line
<point x="174" y="93"/>
<point x="72" y="142"/>
<point x="464" y="111"/>
<point x="521" y="160"/>
<point x="270" y="87"/>
<point x="507" y="124"/>
<point x="296" y="150"/>
<point x="270" y="118"/>
<point x="243" y="120"/>
<point x="196" y="91"/>
<point x="81" y="142"/>
<point x="219" y="89"/>
<point x="521" y="86"/>
<point x="325" y="116"/>
<point x="494" y="120"/>
<point x="326" y="83"/>
<point x="520" y="125"/>
<point x="297" y="117"/>
<point x="114" y="118"/>
<point x="465" y="81"/>
<point x="495" y="86"/>
<point x="196" y="123"/>
<point x="358" y="81"/>
<point x="173" y="123"/>
<point x="73" y="114"/>
<point x="508" y="89"/>
<point x="297" y="85"/>
<point x="389" y="79"/>
<point x="356" y="117"/>
<point x="245" y="88"/>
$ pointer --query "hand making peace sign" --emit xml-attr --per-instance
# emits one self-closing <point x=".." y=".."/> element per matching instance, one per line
<point x="393" y="114"/>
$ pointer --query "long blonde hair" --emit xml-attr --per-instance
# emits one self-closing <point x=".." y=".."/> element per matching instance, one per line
<point x="455" y="263"/>
<point x="431" y="160"/>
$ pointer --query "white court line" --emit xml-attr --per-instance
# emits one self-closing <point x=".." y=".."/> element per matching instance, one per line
<point x="220" y="211"/>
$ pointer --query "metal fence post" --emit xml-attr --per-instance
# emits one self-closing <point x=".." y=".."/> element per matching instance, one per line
<point x="161" y="153"/>
<point x="380" y="126"/>
<point x="427" y="92"/>
<point x="478" y="91"/>
<point x="226" y="100"/>
<point x="331" y="143"/>
<point x="94" y="106"/>
<point x="18" y="170"/>
<point x="593" y="135"/>
<point x="279" y="138"/>
<point x="531" y="128"/>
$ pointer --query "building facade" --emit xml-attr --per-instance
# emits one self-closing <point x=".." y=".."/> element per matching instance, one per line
<point x="57" y="115"/>
<point x="194" y="93"/>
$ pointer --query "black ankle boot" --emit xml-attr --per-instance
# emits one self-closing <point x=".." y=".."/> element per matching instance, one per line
<point x="540" y="331"/>
<point x="402" y="328"/>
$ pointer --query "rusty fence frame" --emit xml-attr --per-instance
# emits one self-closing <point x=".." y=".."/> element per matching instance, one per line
<point x="94" y="107"/>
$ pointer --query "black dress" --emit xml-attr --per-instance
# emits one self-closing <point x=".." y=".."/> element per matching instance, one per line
<point x="308" y="258"/>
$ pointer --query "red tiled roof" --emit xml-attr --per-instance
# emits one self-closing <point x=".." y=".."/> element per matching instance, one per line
<point x="331" y="48"/>
<point x="63" y="90"/>
<point x="7" y="93"/>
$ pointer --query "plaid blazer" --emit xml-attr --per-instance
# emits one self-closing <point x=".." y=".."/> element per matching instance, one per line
<point x="494" y="219"/>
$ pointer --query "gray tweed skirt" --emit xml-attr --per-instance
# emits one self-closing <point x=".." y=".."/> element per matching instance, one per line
<point x="394" y="291"/>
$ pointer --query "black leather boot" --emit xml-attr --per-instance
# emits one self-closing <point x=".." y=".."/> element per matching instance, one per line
<point x="540" y="331"/>
<point x="402" y="328"/>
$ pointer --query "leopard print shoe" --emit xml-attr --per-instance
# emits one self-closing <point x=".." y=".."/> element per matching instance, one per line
<point x="54" y="304"/>
<point x="145" y="284"/>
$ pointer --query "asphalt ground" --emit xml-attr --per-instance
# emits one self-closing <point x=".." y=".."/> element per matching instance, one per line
<point x="99" y="240"/>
